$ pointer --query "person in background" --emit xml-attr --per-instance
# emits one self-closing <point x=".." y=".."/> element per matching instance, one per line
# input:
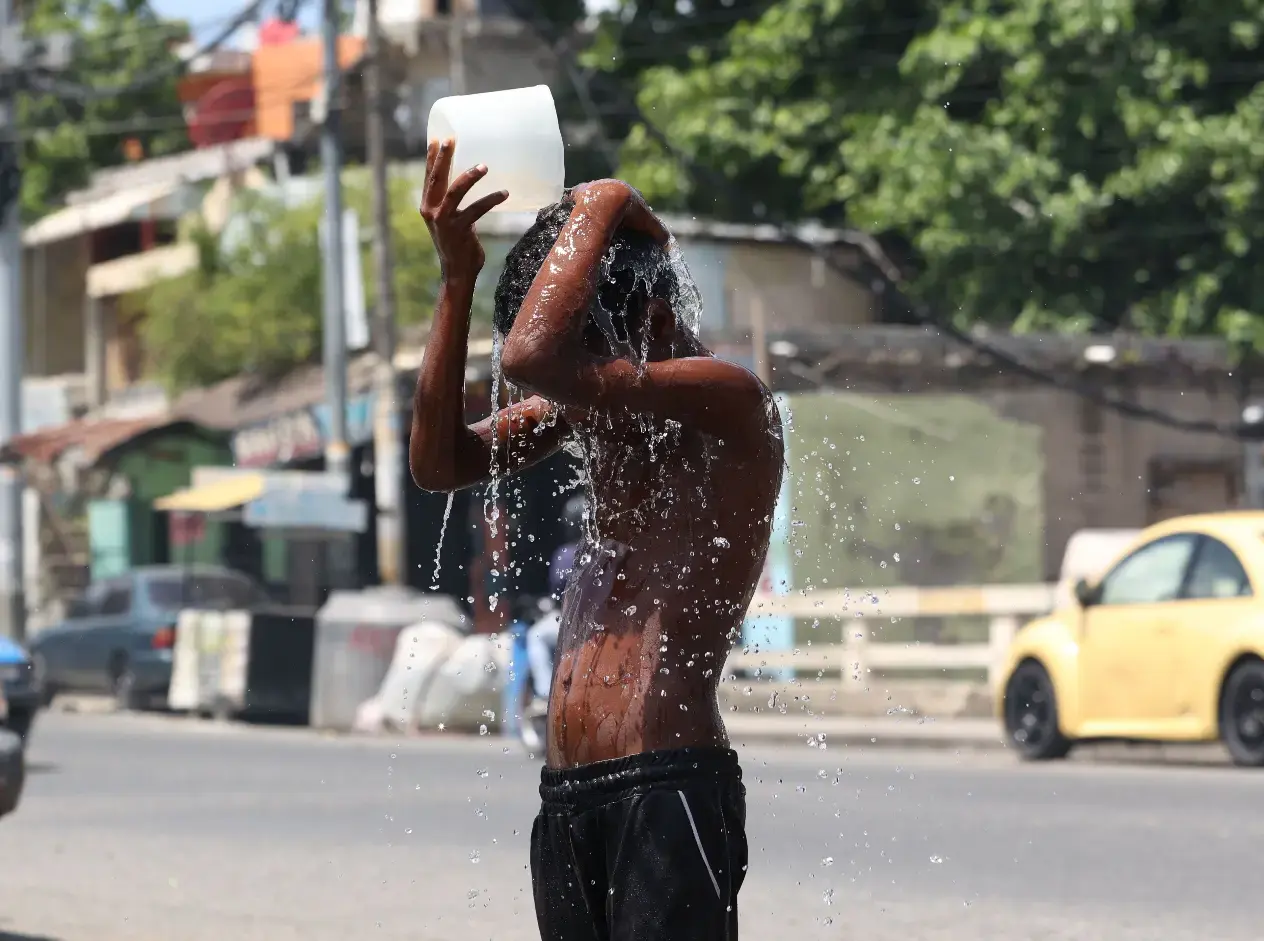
<point x="523" y="612"/>
<point x="542" y="636"/>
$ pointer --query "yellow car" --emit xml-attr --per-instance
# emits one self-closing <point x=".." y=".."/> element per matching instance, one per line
<point x="1168" y="645"/>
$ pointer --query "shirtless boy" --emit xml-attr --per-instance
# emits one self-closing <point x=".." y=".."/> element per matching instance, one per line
<point x="641" y="836"/>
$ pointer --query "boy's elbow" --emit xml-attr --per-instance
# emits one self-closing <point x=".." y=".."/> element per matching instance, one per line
<point x="522" y="365"/>
<point x="428" y="475"/>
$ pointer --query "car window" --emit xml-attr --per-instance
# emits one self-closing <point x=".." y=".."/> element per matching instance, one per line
<point x="1217" y="573"/>
<point x="117" y="600"/>
<point x="79" y="608"/>
<point x="173" y="592"/>
<point x="88" y="605"/>
<point x="1151" y="574"/>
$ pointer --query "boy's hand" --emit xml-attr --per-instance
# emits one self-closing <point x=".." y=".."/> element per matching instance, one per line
<point x="451" y="228"/>
<point x="624" y="203"/>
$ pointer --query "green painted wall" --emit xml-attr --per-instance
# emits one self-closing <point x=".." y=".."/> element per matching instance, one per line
<point x="912" y="490"/>
<point x="158" y="466"/>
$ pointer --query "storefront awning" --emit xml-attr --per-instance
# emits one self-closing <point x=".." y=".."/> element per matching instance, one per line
<point x="215" y="497"/>
<point x="155" y="200"/>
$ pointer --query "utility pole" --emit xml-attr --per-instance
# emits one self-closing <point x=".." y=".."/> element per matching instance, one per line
<point x="12" y="349"/>
<point x="15" y="54"/>
<point x="388" y="458"/>
<point x="337" y="454"/>
<point x="456" y="50"/>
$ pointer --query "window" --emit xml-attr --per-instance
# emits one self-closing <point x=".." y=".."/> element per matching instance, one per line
<point x="171" y="593"/>
<point x="80" y="608"/>
<point x="117" y="600"/>
<point x="1217" y="573"/>
<point x="1151" y="574"/>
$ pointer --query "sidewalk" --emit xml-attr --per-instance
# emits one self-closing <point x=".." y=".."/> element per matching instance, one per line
<point x="886" y="732"/>
<point x="773" y="728"/>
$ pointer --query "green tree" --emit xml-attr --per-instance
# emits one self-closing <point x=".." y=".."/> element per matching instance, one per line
<point x="66" y="138"/>
<point x="1043" y="164"/>
<point x="255" y="305"/>
<point x="629" y="39"/>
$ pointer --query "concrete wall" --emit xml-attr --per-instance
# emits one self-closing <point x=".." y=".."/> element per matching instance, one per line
<point x="1098" y="468"/>
<point x="53" y="304"/>
<point x="498" y="54"/>
<point x="1105" y="470"/>
<point x="797" y="290"/>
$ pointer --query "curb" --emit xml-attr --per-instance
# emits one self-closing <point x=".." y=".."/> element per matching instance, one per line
<point x="928" y="736"/>
<point x="886" y="740"/>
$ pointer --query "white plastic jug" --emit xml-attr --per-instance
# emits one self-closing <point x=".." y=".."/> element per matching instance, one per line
<point x="516" y="134"/>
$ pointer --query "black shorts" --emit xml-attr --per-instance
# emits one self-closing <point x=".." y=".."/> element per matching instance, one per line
<point x="651" y="847"/>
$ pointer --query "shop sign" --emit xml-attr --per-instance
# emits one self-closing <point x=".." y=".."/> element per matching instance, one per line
<point x="295" y="436"/>
<point x="300" y="435"/>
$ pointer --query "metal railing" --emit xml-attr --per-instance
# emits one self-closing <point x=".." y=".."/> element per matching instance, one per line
<point x="1006" y="607"/>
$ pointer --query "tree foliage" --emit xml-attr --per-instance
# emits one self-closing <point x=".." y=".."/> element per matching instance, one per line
<point x="1074" y="164"/>
<point x="254" y="303"/>
<point x="629" y="39"/>
<point x="66" y="138"/>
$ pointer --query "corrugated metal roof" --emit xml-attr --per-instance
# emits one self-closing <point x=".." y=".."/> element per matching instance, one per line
<point x="155" y="200"/>
<point x="193" y="166"/>
<point x="93" y="437"/>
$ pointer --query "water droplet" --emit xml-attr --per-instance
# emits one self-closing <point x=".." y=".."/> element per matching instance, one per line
<point x="896" y="556"/>
<point x="936" y="860"/>
<point x="474" y="857"/>
<point x="827" y="861"/>
<point x="720" y="541"/>
<point x="828" y="896"/>
<point x="482" y="730"/>
<point x="482" y="772"/>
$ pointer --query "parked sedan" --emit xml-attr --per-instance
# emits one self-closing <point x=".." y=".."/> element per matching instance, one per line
<point x="118" y="638"/>
<point x="1167" y="645"/>
<point x="17" y="689"/>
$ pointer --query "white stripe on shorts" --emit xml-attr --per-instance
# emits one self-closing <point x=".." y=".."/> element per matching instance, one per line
<point x="698" y="840"/>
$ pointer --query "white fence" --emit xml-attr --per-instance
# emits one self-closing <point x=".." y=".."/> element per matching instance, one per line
<point x="1008" y="606"/>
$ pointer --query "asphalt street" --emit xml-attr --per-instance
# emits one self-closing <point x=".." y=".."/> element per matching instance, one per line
<point x="157" y="829"/>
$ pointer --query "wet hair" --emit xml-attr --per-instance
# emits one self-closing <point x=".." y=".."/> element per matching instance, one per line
<point x="636" y="269"/>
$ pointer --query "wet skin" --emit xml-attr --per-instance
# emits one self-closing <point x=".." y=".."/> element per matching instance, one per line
<point x="684" y="456"/>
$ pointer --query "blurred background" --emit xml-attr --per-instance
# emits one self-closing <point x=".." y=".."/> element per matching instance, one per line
<point x="1000" y="263"/>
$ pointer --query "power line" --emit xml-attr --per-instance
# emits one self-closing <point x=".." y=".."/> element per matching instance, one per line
<point x="890" y="273"/>
<point x="163" y="73"/>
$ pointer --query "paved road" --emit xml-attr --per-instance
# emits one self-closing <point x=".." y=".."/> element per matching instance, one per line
<point x="170" y="830"/>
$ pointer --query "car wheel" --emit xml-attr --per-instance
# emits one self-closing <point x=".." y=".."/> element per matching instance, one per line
<point x="1242" y="714"/>
<point x="1031" y="714"/>
<point x="126" y="699"/>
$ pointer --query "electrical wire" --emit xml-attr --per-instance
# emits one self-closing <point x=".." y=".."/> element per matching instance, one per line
<point x="892" y="278"/>
<point x="40" y="81"/>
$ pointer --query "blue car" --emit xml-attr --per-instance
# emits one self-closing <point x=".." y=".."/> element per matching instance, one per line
<point x="17" y="688"/>
<point x="118" y="638"/>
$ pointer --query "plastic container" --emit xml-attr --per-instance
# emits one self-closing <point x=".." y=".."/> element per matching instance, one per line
<point x="516" y="134"/>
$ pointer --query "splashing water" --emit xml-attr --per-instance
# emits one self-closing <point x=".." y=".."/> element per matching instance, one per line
<point x="686" y="299"/>
<point x="443" y="532"/>
<point x="491" y="507"/>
